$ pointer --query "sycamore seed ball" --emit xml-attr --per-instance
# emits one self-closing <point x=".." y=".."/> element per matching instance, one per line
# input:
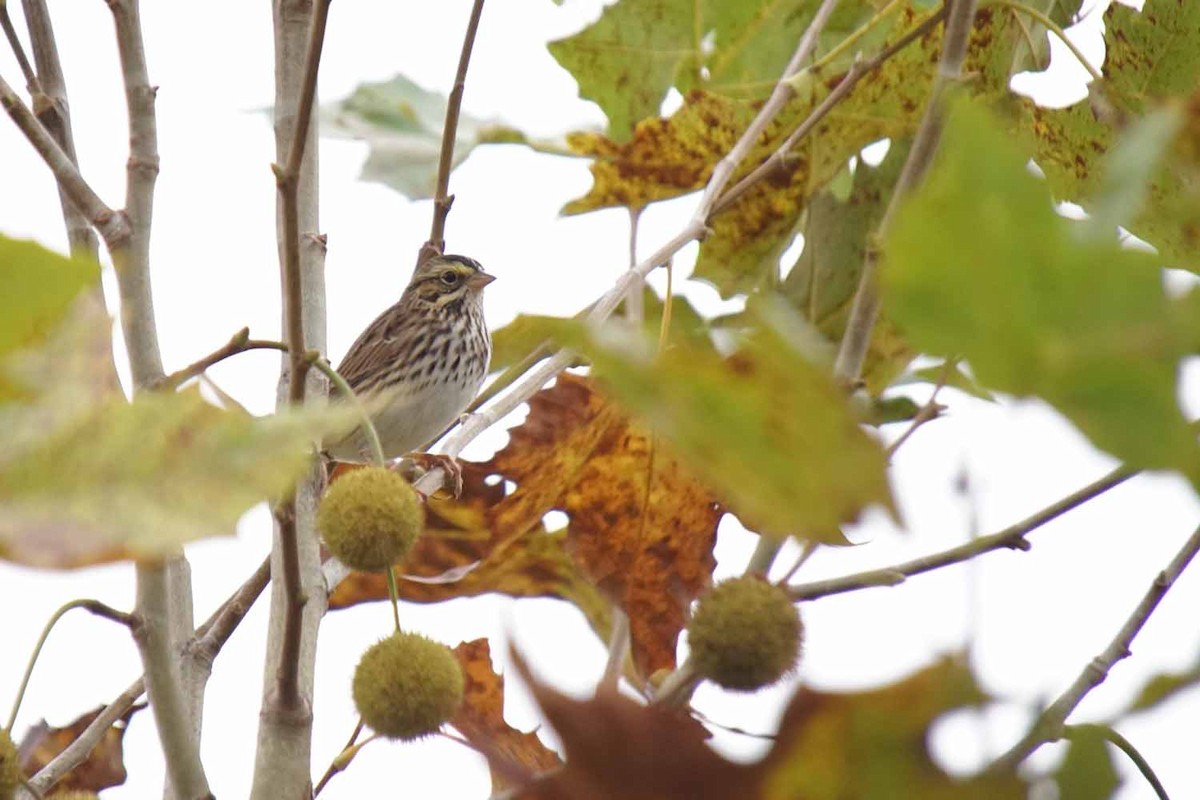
<point x="10" y="766"/>
<point x="370" y="518"/>
<point x="745" y="634"/>
<point x="406" y="686"/>
<point x="75" y="794"/>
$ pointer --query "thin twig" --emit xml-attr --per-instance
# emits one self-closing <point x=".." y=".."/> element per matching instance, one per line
<point x="14" y="41"/>
<point x="239" y="343"/>
<point x="929" y="411"/>
<point x="1011" y="538"/>
<point x="78" y="751"/>
<point x="778" y="160"/>
<point x="341" y="760"/>
<point x="442" y="200"/>
<point x="208" y="640"/>
<point x="806" y="553"/>
<point x="287" y="182"/>
<point x="113" y="226"/>
<point x="1049" y="725"/>
<point x="853" y="348"/>
<point x="55" y="116"/>
<point x="780" y="95"/>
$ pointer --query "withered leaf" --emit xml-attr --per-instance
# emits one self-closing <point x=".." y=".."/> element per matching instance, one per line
<point x="481" y="718"/>
<point x="105" y="765"/>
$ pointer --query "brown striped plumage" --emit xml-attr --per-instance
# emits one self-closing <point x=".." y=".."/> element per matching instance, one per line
<point x="426" y="356"/>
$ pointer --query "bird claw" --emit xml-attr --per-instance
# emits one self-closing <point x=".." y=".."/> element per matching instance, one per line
<point x="426" y="462"/>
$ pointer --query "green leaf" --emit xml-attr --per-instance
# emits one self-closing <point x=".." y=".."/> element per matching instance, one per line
<point x="39" y="286"/>
<point x="665" y="158"/>
<point x="1152" y="60"/>
<point x="87" y="477"/>
<point x="402" y="125"/>
<point x="1087" y="773"/>
<point x="767" y="427"/>
<point x="980" y="265"/>
<point x="626" y="60"/>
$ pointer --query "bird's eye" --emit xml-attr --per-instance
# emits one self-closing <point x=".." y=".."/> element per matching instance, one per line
<point x="449" y="277"/>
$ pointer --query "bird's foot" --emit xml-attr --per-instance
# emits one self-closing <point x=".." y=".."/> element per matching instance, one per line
<point x="421" y="463"/>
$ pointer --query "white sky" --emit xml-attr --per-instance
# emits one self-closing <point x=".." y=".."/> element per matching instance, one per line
<point x="1035" y="618"/>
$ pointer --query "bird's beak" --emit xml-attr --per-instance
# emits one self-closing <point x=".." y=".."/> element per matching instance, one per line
<point x="479" y="280"/>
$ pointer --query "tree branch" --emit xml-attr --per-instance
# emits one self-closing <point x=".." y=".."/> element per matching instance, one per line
<point x="441" y="199"/>
<point x="853" y="348"/>
<point x="208" y="640"/>
<point x="288" y="180"/>
<point x="55" y="115"/>
<point x="112" y="225"/>
<point x="1049" y="726"/>
<point x="780" y="95"/>
<point x="1011" y="538"/>
<point x="14" y="42"/>
<point x="284" y="746"/>
<point x="778" y="160"/>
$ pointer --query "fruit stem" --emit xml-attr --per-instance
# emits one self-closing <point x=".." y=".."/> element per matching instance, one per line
<point x="394" y="593"/>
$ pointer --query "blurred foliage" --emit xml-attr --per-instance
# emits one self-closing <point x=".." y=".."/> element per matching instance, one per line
<point x="88" y="477"/>
<point x="1046" y="308"/>
<point x="401" y="124"/>
<point x="1087" y="772"/>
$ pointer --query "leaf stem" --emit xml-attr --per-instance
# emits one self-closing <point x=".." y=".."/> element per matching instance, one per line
<point x="1052" y="26"/>
<point x="1126" y="747"/>
<point x="95" y="607"/>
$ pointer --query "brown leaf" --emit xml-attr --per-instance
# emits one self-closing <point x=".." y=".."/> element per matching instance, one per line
<point x="104" y="766"/>
<point x="481" y="719"/>
<point x="642" y="529"/>
<point x="459" y="555"/>
<point x="617" y="749"/>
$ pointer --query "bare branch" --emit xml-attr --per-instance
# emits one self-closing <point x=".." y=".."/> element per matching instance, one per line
<point x="780" y="95"/>
<point x="55" y="115"/>
<point x="853" y="349"/>
<point x="778" y="160"/>
<point x="208" y="640"/>
<point x="288" y="180"/>
<point x="112" y="225"/>
<point x="14" y="42"/>
<point x="284" y="745"/>
<point x="1049" y="726"/>
<point x="1011" y="538"/>
<point x="441" y="199"/>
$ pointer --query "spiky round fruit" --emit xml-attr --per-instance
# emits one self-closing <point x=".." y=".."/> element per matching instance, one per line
<point x="745" y="634"/>
<point x="74" y="794"/>
<point x="406" y="686"/>
<point x="370" y="518"/>
<point x="10" y="766"/>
